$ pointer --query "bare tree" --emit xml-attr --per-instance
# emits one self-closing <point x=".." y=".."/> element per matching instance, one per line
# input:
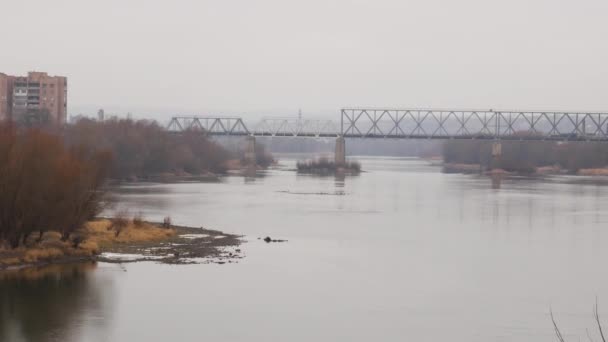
<point x="46" y="186"/>
<point x="596" y="316"/>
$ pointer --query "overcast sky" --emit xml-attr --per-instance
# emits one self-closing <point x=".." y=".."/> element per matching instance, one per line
<point x="272" y="57"/>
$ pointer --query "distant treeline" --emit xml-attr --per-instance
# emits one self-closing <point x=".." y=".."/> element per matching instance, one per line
<point x="141" y="149"/>
<point x="526" y="156"/>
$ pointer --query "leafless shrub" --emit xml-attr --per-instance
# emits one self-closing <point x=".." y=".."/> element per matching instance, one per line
<point x="46" y="184"/>
<point x="138" y="220"/>
<point x="167" y="222"/>
<point x="120" y="221"/>
<point x="596" y="316"/>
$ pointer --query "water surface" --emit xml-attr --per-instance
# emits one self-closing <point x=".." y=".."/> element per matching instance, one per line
<point x="401" y="252"/>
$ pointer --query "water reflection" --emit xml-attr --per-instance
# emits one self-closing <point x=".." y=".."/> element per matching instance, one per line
<point x="252" y="175"/>
<point x="496" y="181"/>
<point x="47" y="304"/>
<point x="339" y="180"/>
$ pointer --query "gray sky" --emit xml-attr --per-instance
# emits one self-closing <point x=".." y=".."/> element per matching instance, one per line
<point x="272" y="57"/>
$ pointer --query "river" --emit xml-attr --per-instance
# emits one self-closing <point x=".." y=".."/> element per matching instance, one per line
<point x="401" y="252"/>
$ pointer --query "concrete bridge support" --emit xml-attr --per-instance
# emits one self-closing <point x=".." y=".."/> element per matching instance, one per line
<point x="250" y="159"/>
<point x="496" y="155"/>
<point x="340" y="156"/>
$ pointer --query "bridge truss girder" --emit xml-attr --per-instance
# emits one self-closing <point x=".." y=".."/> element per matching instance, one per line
<point x="415" y="124"/>
<point x="295" y="127"/>
<point x="209" y="125"/>
<point x="473" y="124"/>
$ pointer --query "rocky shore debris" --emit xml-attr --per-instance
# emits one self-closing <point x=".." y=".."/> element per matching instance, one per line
<point x="187" y="246"/>
<point x="268" y="239"/>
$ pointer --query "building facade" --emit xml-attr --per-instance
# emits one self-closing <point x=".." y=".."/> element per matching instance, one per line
<point x="36" y="95"/>
<point x="6" y="96"/>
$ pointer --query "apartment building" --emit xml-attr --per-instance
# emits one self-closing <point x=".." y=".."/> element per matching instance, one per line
<point x="34" y="94"/>
<point x="6" y="96"/>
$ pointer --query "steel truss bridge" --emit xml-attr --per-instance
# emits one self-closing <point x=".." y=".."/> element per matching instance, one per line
<point x="415" y="124"/>
<point x="268" y="127"/>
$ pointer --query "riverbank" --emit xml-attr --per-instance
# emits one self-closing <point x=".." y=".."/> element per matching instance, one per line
<point x="99" y="240"/>
<point x="167" y="177"/>
<point x="537" y="171"/>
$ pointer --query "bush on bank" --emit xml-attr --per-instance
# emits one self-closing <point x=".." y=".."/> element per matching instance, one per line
<point x="46" y="185"/>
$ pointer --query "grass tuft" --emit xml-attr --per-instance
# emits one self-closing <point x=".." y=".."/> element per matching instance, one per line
<point x="88" y="242"/>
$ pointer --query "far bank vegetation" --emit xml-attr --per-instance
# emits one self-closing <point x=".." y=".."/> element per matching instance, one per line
<point x="527" y="157"/>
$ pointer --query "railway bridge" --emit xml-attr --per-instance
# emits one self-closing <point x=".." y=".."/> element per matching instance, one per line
<point x="387" y="123"/>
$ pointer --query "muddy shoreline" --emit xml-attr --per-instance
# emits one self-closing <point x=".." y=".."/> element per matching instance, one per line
<point x="188" y="246"/>
<point x="536" y="171"/>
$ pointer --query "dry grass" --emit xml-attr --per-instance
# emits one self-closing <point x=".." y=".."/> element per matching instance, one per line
<point x="91" y="246"/>
<point x="497" y="172"/>
<point x="548" y="170"/>
<point x="40" y="254"/>
<point x="233" y="164"/>
<point x="593" y="172"/>
<point x="98" y="232"/>
<point x="95" y="235"/>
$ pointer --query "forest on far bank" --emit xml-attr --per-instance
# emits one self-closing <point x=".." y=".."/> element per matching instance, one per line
<point x="526" y="156"/>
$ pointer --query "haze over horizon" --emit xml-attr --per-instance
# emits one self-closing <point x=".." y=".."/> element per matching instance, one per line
<point x="274" y="57"/>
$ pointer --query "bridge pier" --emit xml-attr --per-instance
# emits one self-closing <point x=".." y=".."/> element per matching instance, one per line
<point x="496" y="154"/>
<point x="340" y="156"/>
<point x="250" y="159"/>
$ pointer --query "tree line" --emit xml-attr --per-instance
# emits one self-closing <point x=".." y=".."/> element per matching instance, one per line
<point x="143" y="148"/>
<point x="526" y="156"/>
<point x="52" y="178"/>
